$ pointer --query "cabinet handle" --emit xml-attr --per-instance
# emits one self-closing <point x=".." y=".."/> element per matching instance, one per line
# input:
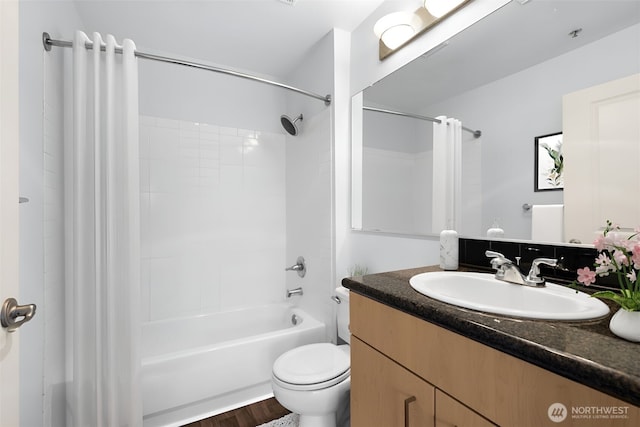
<point x="407" y="401"/>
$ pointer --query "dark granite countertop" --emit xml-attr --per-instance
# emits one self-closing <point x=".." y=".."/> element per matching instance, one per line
<point x="586" y="352"/>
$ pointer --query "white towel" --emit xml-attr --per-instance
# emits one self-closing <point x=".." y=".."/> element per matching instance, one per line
<point x="547" y="223"/>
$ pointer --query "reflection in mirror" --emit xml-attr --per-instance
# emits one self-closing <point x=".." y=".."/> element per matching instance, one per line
<point x="506" y="75"/>
<point x="397" y="171"/>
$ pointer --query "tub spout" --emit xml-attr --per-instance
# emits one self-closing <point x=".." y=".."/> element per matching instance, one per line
<point x="292" y="292"/>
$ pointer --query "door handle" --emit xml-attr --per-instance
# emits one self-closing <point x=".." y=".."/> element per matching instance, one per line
<point x="11" y="312"/>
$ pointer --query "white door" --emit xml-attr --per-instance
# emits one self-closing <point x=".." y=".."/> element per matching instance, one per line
<point x="9" y="345"/>
<point x="601" y="147"/>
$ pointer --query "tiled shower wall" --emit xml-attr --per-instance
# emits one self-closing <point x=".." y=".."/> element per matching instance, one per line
<point x="213" y="217"/>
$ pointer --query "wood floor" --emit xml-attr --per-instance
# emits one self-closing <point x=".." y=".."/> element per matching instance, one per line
<point x="248" y="416"/>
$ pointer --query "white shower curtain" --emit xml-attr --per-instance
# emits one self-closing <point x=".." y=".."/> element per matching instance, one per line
<point x="447" y="174"/>
<point x="103" y="237"/>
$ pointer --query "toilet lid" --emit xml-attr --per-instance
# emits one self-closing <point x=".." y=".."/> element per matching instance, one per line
<point x="312" y="364"/>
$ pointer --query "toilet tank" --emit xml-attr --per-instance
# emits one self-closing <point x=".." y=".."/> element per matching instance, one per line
<point x="343" y="314"/>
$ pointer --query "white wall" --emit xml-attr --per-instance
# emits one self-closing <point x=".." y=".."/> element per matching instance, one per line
<point x="387" y="190"/>
<point x="512" y="111"/>
<point x="181" y="93"/>
<point x="309" y="170"/>
<point x="42" y="367"/>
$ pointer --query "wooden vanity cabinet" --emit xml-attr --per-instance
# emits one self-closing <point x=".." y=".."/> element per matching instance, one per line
<point x="385" y="393"/>
<point x="396" y="356"/>
<point x="451" y="413"/>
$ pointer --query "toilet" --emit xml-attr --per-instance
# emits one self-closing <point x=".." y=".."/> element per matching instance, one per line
<point x="314" y="380"/>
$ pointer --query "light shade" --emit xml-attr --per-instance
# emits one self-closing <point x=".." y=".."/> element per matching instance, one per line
<point x="397" y="28"/>
<point x="438" y="8"/>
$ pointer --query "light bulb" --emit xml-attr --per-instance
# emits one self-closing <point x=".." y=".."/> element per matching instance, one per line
<point x="439" y="8"/>
<point x="396" y="28"/>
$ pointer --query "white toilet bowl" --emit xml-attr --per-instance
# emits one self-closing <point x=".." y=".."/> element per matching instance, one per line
<point x="314" y="382"/>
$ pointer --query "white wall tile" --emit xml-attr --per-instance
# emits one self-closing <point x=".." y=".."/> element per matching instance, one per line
<point x="143" y="140"/>
<point x="147" y="121"/>
<point x="231" y="150"/>
<point x="145" y="226"/>
<point x="170" y="295"/>
<point x="167" y="123"/>
<point x="213" y="204"/>
<point x="144" y="290"/>
<point x="164" y="143"/>
<point x="164" y="175"/>
<point x="228" y="131"/>
<point x="208" y="129"/>
<point x="144" y="175"/>
<point x="165" y="225"/>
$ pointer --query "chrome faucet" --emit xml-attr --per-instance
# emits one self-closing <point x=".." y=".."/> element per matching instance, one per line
<point x="295" y="291"/>
<point x="507" y="271"/>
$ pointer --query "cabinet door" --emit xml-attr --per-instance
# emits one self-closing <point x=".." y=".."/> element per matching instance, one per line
<point x="383" y="393"/>
<point x="451" y="413"/>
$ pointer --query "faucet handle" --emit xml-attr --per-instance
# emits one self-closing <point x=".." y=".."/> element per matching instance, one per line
<point x="534" y="272"/>
<point x="299" y="266"/>
<point x="498" y="261"/>
<point x="492" y="254"/>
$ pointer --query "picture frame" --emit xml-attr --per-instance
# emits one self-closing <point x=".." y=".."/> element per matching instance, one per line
<point x="548" y="163"/>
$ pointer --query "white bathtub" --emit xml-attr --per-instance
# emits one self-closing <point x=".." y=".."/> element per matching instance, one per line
<point x="204" y="365"/>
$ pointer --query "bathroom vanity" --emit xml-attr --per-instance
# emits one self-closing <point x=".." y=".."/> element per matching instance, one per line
<point x="416" y="361"/>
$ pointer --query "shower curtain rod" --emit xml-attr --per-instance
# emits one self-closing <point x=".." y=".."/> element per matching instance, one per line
<point x="47" y="41"/>
<point x="476" y="133"/>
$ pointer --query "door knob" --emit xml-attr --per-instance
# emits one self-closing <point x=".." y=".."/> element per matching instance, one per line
<point x="12" y="315"/>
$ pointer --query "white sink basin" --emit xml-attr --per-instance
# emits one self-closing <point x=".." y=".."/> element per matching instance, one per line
<point x="482" y="292"/>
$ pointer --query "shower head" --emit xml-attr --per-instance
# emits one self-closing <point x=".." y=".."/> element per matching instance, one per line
<point x="290" y="125"/>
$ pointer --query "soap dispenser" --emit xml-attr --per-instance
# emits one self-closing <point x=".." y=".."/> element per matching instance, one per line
<point x="448" y="250"/>
<point x="495" y="230"/>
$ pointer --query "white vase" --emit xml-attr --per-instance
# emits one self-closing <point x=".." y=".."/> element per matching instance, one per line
<point x="626" y="324"/>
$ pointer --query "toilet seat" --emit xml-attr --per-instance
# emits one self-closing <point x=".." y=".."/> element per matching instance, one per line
<point x="312" y="367"/>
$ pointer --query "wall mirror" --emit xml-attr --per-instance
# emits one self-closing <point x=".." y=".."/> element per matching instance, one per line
<point x="506" y="75"/>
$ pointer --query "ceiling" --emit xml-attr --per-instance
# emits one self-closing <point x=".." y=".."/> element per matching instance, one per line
<point x="265" y="37"/>
<point x="511" y="39"/>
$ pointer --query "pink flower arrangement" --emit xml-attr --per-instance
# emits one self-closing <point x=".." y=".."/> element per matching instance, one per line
<point x="619" y="255"/>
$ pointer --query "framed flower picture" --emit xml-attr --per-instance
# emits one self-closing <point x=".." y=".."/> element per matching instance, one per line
<point x="548" y="168"/>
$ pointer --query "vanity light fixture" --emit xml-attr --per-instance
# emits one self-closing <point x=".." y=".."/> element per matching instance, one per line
<point x="439" y="8"/>
<point x="397" y="29"/>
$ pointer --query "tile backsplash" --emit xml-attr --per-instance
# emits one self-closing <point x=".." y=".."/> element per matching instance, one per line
<point x="472" y="254"/>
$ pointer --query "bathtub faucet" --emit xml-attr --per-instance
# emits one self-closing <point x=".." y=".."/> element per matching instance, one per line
<point x="292" y="292"/>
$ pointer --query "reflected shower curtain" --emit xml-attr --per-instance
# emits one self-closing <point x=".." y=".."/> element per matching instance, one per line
<point x="447" y="174"/>
<point x="103" y="237"/>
